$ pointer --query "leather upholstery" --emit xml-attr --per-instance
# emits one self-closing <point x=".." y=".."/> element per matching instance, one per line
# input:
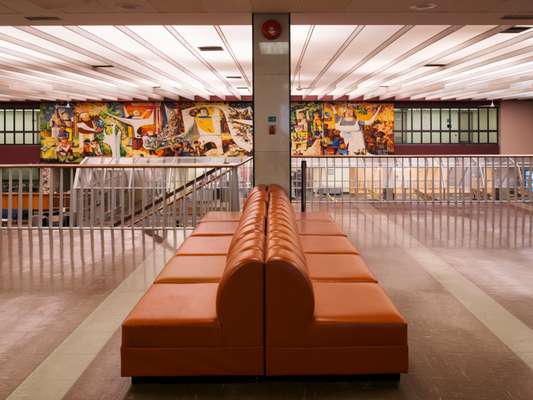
<point x="324" y="312"/>
<point x="172" y="314"/>
<point x="312" y="216"/>
<point x="338" y="268"/>
<point x="205" y="246"/>
<point x="327" y="245"/>
<point x="193" y="269"/>
<point x="221" y="216"/>
<point x="219" y="325"/>
<point x="215" y="228"/>
<point x="292" y="290"/>
<point x="317" y="227"/>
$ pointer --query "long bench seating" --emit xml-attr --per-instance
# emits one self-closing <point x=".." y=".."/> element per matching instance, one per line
<point x="342" y="323"/>
<point x="322" y="309"/>
<point x="203" y="327"/>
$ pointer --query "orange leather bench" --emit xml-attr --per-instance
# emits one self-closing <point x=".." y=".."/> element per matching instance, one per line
<point x="321" y="308"/>
<point x="190" y="324"/>
<point x="325" y="312"/>
<point x="202" y="257"/>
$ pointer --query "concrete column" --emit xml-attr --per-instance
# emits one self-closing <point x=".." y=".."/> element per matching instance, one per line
<point x="271" y="65"/>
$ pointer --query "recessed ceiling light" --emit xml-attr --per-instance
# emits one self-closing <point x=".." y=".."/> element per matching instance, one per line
<point x="242" y="87"/>
<point x="129" y="6"/>
<point x="516" y="16"/>
<point x="210" y="48"/>
<point x="42" y="18"/>
<point x="384" y="86"/>
<point x="423" y="6"/>
<point x="102" y="66"/>
<point x="435" y="65"/>
<point x="234" y="77"/>
<point x="516" y="29"/>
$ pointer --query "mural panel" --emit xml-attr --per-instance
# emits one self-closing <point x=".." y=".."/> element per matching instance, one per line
<point x="144" y="129"/>
<point x="342" y="128"/>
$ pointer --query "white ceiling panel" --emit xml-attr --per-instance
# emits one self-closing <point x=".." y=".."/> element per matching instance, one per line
<point x="358" y="61"/>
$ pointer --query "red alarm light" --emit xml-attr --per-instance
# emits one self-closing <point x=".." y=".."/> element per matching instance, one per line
<point x="271" y="29"/>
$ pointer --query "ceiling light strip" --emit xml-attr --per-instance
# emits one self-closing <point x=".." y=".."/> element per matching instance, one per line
<point x="154" y="50"/>
<point x="131" y="73"/>
<point x="426" y="43"/>
<point x="298" y="66"/>
<point x="404" y="75"/>
<point x="176" y="35"/>
<point x="474" y="56"/>
<point x="76" y="65"/>
<point x="398" y="34"/>
<point x="228" y="47"/>
<point x="357" y="30"/>
<point x="55" y="71"/>
<point x="104" y="43"/>
<point x="471" y="69"/>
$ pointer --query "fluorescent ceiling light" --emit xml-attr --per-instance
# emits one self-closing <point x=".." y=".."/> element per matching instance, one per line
<point x="42" y="18"/>
<point x="210" y="48"/>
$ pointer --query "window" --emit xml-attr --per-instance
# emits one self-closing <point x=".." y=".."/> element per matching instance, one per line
<point x="446" y="125"/>
<point x="19" y="126"/>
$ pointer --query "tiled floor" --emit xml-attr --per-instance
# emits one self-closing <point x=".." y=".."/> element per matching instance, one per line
<point x="462" y="276"/>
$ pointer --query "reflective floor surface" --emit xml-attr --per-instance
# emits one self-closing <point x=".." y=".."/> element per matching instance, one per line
<point x="462" y="276"/>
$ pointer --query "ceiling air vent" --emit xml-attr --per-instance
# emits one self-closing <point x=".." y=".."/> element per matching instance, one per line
<point x="42" y="18"/>
<point x="516" y="29"/>
<point x="233" y="77"/>
<point x="242" y="87"/>
<point x="517" y="16"/>
<point x="435" y="65"/>
<point x="210" y="48"/>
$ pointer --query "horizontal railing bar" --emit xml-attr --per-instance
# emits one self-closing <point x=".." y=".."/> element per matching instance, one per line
<point x="415" y="156"/>
<point x="128" y="166"/>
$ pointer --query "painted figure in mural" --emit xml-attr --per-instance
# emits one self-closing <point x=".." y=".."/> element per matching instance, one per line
<point x="64" y="149"/>
<point x="87" y="126"/>
<point x="136" y="120"/>
<point x="209" y="128"/>
<point x="87" y="148"/>
<point x="350" y="127"/>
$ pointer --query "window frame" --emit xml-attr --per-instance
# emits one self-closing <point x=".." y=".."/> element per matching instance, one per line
<point x="490" y="133"/>
<point x="29" y="134"/>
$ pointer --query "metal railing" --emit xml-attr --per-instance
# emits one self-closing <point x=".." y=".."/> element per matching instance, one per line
<point x="162" y="193"/>
<point x="413" y="179"/>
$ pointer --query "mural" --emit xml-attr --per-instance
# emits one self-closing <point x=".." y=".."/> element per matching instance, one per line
<point x="153" y="129"/>
<point x="319" y="128"/>
<point x="144" y="129"/>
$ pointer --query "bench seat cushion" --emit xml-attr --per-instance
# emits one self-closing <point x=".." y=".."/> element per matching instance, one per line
<point x="234" y="216"/>
<point x="193" y="269"/>
<point x="174" y="315"/>
<point x="355" y="314"/>
<point x="338" y="268"/>
<point x="205" y="245"/>
<point x="318" y="227"/>
<point x="313" y="216"/>
<point x="215" y="228"/>
<point x="327" y="245"/>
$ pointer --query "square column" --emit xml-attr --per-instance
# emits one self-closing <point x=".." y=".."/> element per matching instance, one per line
<point x="271" y="89"/>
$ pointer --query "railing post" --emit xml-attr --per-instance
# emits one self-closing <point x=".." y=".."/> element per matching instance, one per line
<point x="303" y="188"/>
<point x="234" y="189"/>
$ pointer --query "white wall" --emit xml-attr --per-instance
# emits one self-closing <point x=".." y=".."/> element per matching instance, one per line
<point x="516" y="127"/>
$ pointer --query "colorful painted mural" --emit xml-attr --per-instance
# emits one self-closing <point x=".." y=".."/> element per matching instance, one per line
<point x="144" y="129"/>
<point x="319" y="128"/>
<point x="151" y="129"/>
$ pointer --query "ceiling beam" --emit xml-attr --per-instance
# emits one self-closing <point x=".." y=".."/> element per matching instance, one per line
<point x="333" y="85"/>
<point x="357" y="30"/>
<point x="426" y="43"/>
